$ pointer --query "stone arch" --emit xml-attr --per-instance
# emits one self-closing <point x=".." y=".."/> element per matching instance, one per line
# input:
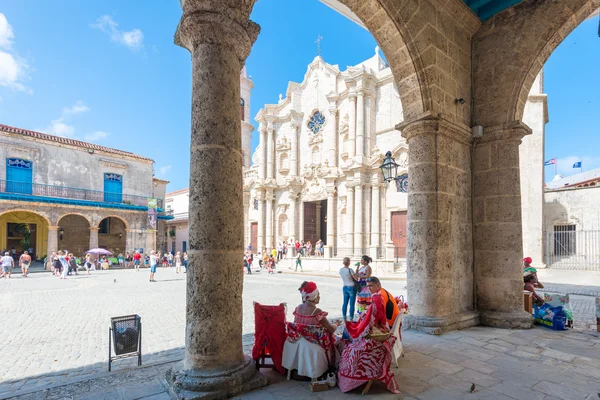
<point x="38" y="242"/>
<point x="41" y="214"/>
<point x="115" y="239"/>
<point x="284" y="162"/>
<point x="114" y="216"/>
<point x="86" y="217"/>
<point x="504" y="70"/>
<point x="74" y="233"/>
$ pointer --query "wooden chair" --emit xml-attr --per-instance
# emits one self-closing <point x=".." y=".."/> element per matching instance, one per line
<point x="528" y="301"/>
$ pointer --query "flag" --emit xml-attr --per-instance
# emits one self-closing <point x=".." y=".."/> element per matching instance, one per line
<point x="577" y="164"/>
<point x="550" y="162"/>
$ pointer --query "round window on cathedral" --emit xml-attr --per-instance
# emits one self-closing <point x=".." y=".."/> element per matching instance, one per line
<point x="316" y="122"/>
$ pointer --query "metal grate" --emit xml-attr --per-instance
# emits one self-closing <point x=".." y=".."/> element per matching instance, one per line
<point x="125" y="333"/>
<point x="569" y="249"/>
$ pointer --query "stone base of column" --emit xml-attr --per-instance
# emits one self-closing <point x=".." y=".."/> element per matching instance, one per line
<point x="373" y="252"/>
<point x="195" y="384"/>
<point x="389" y="251"/>
<point x="437" y="326"/>
<point x="328" y="252"/>
<point x="511" y="320"/>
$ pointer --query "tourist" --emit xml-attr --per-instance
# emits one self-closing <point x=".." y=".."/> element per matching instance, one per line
<point x="7" y="265"/>
<point x="88" y="263"/>
<point x="248" y="262"/>
<point x="165" y="260"/>
<point x="528" y="285"/>
<point x="13" y="253"/>
<point x="64" y="264"/>
<point x="177" y="260"/>
<point x="265" y="259"/>
<point x="279" y="251"/>
<point x="349" y="288"/>
<point x="271" y="265"/>
<point x="24" y="262"/>
<point x="297" y="245"/>
<point x="153" y="263"/>
<point x="185" y="262"/>
<point x="170" y="259"/>
<point x="310" y="324"/>
<point x="137" y="257"/>
<point x="72" y="264"/>
<point x="368" y="354"/>
<point x="389" y="302"/>
<point x="299" y="262"/>
<point x="128" y="260"/>
<point x="529" y="270"/>
<point x="121" y="260"/>
<point x="56" y="264"/>
<point x="274" y="253"/>
<point x="364" y="272"/>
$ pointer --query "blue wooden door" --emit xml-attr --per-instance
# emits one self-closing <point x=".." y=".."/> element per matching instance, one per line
<point x="113" y="188"/>
<point x="18" y="175"/>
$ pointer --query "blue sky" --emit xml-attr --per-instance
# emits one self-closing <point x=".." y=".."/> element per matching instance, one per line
<point x="109" y="72"/>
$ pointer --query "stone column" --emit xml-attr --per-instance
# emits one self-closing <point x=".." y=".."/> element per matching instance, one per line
<point x="375" y="219"/>
<point x="219" y="37"/>
<point x="358" y="219"/>
<point x="352" y="125"/>
<point x="293" y="228"/>
<point x="94" y="238"/>
<point x="262" y="170"/>
<point x="128" y="240"/>
<point x="246" y="224"/>
<point x="333" y="135"/>
<point x="350" y="216"/>
<point x="318" y="220"/>
<point x="360" y="124"/>
<point x="439" y="243"/>
<point x="260" y="237"/>
<point x="294" y="149"/>
<point x="52" y="244"/>
<point x="331" y="208"/>
<point x="301" y="221"/>
<point x="270" y="150"/>
<point x="269" y="219"/>
<point x="498" y="233"/>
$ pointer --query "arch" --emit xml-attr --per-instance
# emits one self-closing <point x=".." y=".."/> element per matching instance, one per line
<point x="87" y="218"/>
<point x="113" y="216"/>
<point x="74" y="233"/>
<point x="45" y="217"/>
<point x="284" y="162"/>
<point x="38" y="241"/>
<point x="504" y="70"/>
<point x="115" y="237"/>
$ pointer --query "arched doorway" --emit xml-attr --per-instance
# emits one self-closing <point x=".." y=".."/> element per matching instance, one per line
<point x="112" y="234"/>
<point x="24" y="230"/>
<point x="74" y="234"/>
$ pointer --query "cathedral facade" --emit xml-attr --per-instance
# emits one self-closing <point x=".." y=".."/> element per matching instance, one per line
<point x="315" y="173"/>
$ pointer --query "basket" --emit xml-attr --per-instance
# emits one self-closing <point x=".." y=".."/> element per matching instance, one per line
<point x="378" y="335"/>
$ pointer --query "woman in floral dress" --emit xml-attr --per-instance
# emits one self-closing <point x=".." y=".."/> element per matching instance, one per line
<point x="363" y="298"/>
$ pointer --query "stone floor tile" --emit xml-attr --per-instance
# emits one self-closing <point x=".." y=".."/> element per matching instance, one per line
<point x="436" y="393"/>
<point x="508" y="388"/>
<point x="525" y="355"/>
<point x="472" y="341"/>
<point x="451" y="357"/>
<point x="258" y="394"/>
<point x="559" y="355"/>
<point x="560" y="391"/>
<point x="444" y="366"/>
<point x="412" y="386"/>
<point x="479" y="366"/>
<point x="476" y="377"/>
<point x="158" y="396"/>
<point x="141" y="390"/>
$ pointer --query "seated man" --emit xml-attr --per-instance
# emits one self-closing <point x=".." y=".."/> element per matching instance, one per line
<point x="391" y="307"/>
<point x="529" y="286"/>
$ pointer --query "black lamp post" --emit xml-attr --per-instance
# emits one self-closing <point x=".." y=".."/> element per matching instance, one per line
<point x="61" y="232"/>
<point x="389" y="168"/>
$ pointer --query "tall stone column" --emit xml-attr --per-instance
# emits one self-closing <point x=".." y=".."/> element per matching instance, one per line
<point x="270" y="150"/>
<point x="294" y="148"/>
<point x="260" y="237"/>
<point x="269" y="219"/>
<point x="352" y="125"/>
<point x="219" y="37"/>
<point x="94" y="237"/>
<point x="262" y="170"/>
<point x="498" y="232"/>
<point x="318" y="220"/>
<point x="360" y="124"/>
<point x="375" y="219"/>
<point x="439" y="243"/>
<point x="246" y="223"/>
<point x="52" y="243"/>
<point x="350" y="218"/>
<point x="129" y="240"/>
<point x="333" y="134"/>
<point x="301" y="220"/>
<point x="358" y="219"/>
<point x="331" y="211"/>
<point x="293" y="228"/>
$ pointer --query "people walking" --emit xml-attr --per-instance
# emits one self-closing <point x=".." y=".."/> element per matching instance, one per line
<point x="299" y="262"/>
<point x="170" y="259"/>
<point x="137" y="257"/>
<point x="88" y="264"/>
<point x="364" y="272"/>
<point x="153" y="262"/>
<point x="62" y="258"/>
<point x="7" y="265"/>
<point x="56" y="264"/>
<point x="128" y="260"/>
<point x="73" y="264"/>
<point x="248" y="261"/>
<point x="24" y="262"/>
<point x="185" y="262"/>
<point x="177" y="260"/>
<point x="349" y="288"/>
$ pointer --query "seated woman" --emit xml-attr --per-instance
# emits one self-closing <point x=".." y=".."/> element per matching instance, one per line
<point x="529" y="270"/>
<point x="530" y="287"/>
<point x="310" y="345"/>
<point x="365" y="358"/>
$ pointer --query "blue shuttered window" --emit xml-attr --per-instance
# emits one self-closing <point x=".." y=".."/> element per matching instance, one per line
<point x="113" y="188"/>
<point x="18" y="175"/>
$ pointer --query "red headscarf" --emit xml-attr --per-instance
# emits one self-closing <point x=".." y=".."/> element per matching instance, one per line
<point x="309" y="291"/>
<point x="527" y="260"/>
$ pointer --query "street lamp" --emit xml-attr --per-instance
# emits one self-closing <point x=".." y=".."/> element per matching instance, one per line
<point x="389" y="168"/>
<point x="61" y="232"/>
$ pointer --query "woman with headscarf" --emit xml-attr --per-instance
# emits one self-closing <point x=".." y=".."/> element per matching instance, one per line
<point x="529" y="270"/>
<point x="363" y="273"/>
<point x="310" y="345"/>
<point x="368" y="355"/>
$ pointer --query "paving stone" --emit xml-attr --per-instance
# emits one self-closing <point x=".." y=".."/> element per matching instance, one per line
<point x="479" y="366"/>
<point x="560" y="391"/>
<point x="559" y="355"/>
<point x="517" y="392"/>
<point x="444" y="366"/>
<point x="476" y="377"/>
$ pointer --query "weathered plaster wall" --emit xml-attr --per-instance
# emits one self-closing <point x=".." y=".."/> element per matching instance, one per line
<point x="578" y="206"/>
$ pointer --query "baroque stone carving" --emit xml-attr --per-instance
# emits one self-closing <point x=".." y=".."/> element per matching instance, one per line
<point x="255" y="155"/>
<point x="315" y="171"/>
<point x="283" y="144"/>
<point x="403" y="160"/>
<point x="344" y="125"/>
<point x="314" y="192"/>
<point x="314" y="139"/>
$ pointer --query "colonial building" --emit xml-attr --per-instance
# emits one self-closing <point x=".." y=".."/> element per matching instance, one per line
<point x="315" y="173"/>
<point x="59" y="193"/>
<point x="177" y="202"/>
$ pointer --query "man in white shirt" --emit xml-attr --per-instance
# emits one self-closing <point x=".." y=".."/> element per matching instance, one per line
<point x="153" y="262"/>
<point x="7" y="265"/>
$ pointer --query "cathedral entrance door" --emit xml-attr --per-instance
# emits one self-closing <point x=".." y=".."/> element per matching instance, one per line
<point x="399" y="233"/>
<point x="254" y="236"/>
<point x="310" y="222"/>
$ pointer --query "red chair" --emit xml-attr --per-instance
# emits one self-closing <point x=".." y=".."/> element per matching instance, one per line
<point x="269" y="335"/>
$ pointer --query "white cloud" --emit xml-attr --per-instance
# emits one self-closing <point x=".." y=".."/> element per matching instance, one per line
<point x="12" y="68"/>
<point x="564" y="166"/>
<point x="6" y="32"/>
<point x="162" y="171"/>
<point x="59" y="127"/>
<point x="76" y="108"/>
<point x="95" y="136"/>
<point x="132" y="39"/>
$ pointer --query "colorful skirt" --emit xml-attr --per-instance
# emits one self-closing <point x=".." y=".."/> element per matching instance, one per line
<point x="363" y="298"/>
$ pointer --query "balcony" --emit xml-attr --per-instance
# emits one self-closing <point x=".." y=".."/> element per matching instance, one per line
<point x="67" y="195"/>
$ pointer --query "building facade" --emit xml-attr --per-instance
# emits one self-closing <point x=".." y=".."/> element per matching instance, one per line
<point x="59" y="193"/>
